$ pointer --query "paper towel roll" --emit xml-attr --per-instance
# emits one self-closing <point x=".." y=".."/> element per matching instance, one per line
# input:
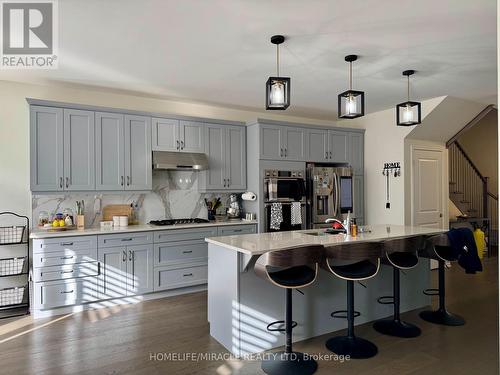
<point x="248" y="196"/>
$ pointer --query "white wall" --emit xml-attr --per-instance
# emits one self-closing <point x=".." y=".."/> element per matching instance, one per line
<point x="14" y="127"/>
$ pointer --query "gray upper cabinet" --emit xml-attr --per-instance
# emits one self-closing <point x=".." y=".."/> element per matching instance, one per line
<point x="191" y="136"/>
<point x="165" y="134"/>
<point x="338" y="146"/>
<point x="138" y="163"/>
<point x="356" y="152"/>
<point x="46" y="149"/>
<point x="282" y="142"/>
<point x="225" y="147"/>
<point x="317" y="145"/>
<point x="236" y="163"/>
<point x="110" y="151"/>
<point x="177" y="135"/>
<point x="79" y="155"/>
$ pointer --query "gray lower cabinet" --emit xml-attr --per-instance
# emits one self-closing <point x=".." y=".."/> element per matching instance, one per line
<point x="140" y="269"/>
<point x="231" y="230"/>
<point x="61" y="149"/>
<point x="177" y="135"/>
<point x="225" y="147"/>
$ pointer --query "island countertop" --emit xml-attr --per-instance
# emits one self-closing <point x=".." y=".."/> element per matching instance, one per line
<point x="260" y="243"/>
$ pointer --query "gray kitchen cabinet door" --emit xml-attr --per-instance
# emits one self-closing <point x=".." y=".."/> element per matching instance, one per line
<point x="46" y="149"/>
<point x="215" y="139"/>
<point x="271" y="143"/>
<point x="79" y="155"/>
<point x="236" y="163"/>
<point x="317" y="145"/>
<point x="140" y="269"/>
<point x="165" y="134"/>
<point x="356" y="151"/>
<point x="138" y="163"/>
<point x="338" y="146"/>
<point x="359" y="195"/>
<point x="294" y="143"/>
<point x="191" y="136"/>
<point x="110" y="151"/>
<point x="112" y="281"/>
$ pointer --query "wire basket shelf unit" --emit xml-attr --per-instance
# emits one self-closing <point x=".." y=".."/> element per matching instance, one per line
<point x="14" y="232"/>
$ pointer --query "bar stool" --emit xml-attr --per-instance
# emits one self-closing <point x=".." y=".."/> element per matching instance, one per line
<point x="438" y="248"/>
<point x="353" y="262"/>
<point x="289" y="269"/>
<point x="400" y="254"/>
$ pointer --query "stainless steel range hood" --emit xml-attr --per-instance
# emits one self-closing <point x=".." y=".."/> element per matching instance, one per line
<point x="187" y="161"/>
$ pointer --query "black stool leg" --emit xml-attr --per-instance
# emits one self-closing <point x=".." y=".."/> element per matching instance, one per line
<point x="288" y="362"/>
<point x="351" y="345"/>
<point x="441" y="315"/>
<point x="394" y="326"/>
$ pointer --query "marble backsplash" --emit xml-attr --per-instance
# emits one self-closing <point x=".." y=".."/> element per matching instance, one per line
<point x="175" y="195"/>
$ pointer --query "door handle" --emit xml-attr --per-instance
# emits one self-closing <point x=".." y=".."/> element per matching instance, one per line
<point x="228" y="182"/>
<point x="126" y="239"/>
<point x="187" y="251"/>
<point x="187" y="275"/>
<point x="330" y="154"/>
<point x="121" y="180"/>
<point x="285" y="152"/>
<point x="326" y="155"/>
<point x="182" y="145"/>
<point x="281" y="153"/>
<point x="68" y="292"/>
<point x="224" y="182"/>
<point x="67" y="182"/>
<point x="124" y="256"/>
<point x="128" y="180"/>
<point x="130" y="255"/>
<point x="61" y="182"/>
<point x="67" y="244"/>
<point x="71" y="271"/>
<point x="178" y="145"/>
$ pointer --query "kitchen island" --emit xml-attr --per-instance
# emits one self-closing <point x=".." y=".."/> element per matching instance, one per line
<point x="241" y="305"/>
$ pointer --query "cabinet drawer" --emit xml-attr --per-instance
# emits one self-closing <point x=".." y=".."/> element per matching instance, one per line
<point x="64" y="244"/>
<point x="69" y="271"/>
<point x="231" y="230"/>
<point x="64" y="293"/>
<point x="178" y="252"/>
<point x="125" y="239"/>
<point x="184" y="234"/>
<point x="66" y="256"/>
<point x="178" y="278"/>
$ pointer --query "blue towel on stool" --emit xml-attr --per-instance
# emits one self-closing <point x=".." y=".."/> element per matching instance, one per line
<point x="464" y="248"/>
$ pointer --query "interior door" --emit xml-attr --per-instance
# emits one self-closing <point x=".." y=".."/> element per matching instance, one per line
<point x="113" y="277"/>
<point x="427" y="180"/>
<point x="139" y="269"/>
<point x="79" y="155"/>
<point x="110" y="153"/>
<point x="138" y="171"/>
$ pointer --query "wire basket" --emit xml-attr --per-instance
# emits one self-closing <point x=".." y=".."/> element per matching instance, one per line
<point x="12" y="296"/>
<point x="12" y="234"/>
<point x="11" y="266"/>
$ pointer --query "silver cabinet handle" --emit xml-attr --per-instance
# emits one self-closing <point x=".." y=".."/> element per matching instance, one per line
<point x="326" y="155"/>
<point x="130" y="256"/>
<point x="61" y="182"/>
<point x="187" y="251"/>
<point x="330" y="154"/>
<point x="126" y="239"/>
<point x="71" y="271"/>
<point x="228" y="182"/>
<point x="121" y="179"/>
<point x="187" y="275"/>
<point x="67" y="257"/>
<point x="178" y="145"/>
<point x="182" y="145"/>
<point x="124" y="256"/>
<point x="67" y="182"/>
<point x="224" y="182"/>
<point x="128" y="180"/>
<point x="281" y="152"/>
<point x="285" y="152"/>
<point x="68" y="292"/>
<point x="67" y="244"/>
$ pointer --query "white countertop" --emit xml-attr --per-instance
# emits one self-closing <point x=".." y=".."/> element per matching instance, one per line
<point x="41" y="233"/>
<point x="255" y="244"/>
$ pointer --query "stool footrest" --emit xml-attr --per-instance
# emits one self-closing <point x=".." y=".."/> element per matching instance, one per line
<point x="342" y="314"/>
<point x="386" y="300"/>
<point x="431" y="292"/>
<point x="270" y="327"/>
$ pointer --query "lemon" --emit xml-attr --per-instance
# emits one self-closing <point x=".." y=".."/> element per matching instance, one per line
<point x="55" y="223"/>
<point x="61" y="223"/>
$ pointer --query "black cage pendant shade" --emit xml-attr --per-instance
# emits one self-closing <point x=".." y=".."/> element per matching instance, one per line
<point x="351" y="103"/>
<point x="408" y="113"/>
<point x="277" y="88"/>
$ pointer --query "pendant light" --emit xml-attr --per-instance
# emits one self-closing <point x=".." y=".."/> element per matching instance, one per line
<point x="408" y="113"/>
<point x="277" y="88"/>
<point x="351" y="102"/>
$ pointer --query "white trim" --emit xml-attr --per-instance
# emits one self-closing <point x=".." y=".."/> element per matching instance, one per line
<point x="349" y="279"/>
<point x="400" y="267"/>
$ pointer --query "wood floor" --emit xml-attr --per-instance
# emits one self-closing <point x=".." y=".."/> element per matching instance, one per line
<point x="119" y="340"/>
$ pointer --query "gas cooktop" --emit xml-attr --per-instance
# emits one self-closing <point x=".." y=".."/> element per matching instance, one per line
<point x="178" y="221"/>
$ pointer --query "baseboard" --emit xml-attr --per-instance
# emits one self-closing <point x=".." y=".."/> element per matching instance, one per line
<point x="110" y="303"/>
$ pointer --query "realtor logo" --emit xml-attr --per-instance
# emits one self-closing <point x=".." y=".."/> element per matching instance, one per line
<point x="29" y="34"/>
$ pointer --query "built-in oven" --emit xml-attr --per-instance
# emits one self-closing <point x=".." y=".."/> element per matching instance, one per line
<point x="284" y="200"/>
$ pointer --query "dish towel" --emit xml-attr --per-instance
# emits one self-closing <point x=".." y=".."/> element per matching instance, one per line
<point x="276" y="216"/>
<point x="296" y="214"/>
<point x="272" y="187"/>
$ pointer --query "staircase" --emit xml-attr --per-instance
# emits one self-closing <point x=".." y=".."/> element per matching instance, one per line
<point x="469" y="189"/>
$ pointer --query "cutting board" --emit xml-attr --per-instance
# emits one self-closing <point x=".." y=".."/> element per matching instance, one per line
<point x="116" y="210"/>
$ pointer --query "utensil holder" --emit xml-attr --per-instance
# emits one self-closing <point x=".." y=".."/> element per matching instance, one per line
<point x="80" y="221"/>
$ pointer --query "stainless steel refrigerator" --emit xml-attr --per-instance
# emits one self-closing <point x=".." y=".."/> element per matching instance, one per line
<point x="329" y="193"/>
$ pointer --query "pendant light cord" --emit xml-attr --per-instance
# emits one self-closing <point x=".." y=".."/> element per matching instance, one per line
<point x="277" y="60"/>
<point x="350" y="75"/>
<point x="408" y="87"/>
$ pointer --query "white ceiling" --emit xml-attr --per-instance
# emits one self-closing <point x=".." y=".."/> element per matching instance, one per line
<point x="218" y="51"/>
